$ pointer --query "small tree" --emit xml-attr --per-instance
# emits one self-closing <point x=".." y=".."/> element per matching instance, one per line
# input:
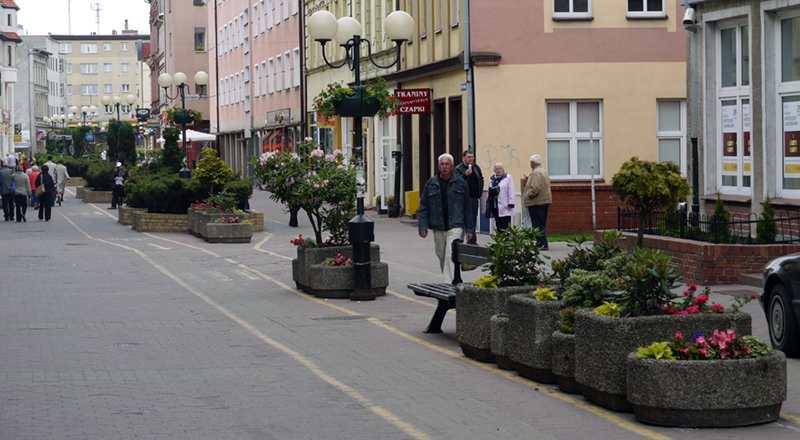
<point x="212" y="171"/>
<point x="79" y="145"/>
<point x="767" y="230"/>
<point x="720" y="221"/>
<point x="648" y="187"/>
<point x="126" y="150"/>
<point x="171" y="155"/>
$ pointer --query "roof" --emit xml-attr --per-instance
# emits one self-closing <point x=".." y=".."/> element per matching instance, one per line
<point x="9" y="4"/>
<point x="10" y="36"/>
<point x="128" y="37"/>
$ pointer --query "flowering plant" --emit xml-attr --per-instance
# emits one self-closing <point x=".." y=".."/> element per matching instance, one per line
<point x="339" y="261"/>
<point x="206" y="207"/>
<point x="303" y="242"/>
<point x="723" y="344"/>
<point x="377" y="90"/>
<point x="690" y="304"/>
<point x="228" y="219"/>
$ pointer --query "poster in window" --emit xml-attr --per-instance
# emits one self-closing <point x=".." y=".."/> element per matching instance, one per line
<point x="746" y="127"/>
<point x="791" y="128"/>
<point x="730" y="127"/>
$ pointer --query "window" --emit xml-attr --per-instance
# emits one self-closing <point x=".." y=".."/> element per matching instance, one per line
<point x="126" y="87"/>
<point x="438" y="15"/>
<point x="735" y="159"/>
<point x="571" y="9"/>
<point x="124" y="67"/>
<point x="88" y="48"/>
<point x="89" y="89"/>
<point x="107" y="67"/>
<point x="201" y="90"/>
<point x="69" y="68"/>
<point x="9" y="19"/>
<point x="294" y="6"/>
<point x="269" y="9"/>
<point x="672" y="133"/>
<point x="124" y="47"/>
<point x="65" y="48"/>
<point x="278" y="73"/>
<point x="297" y="69"/>
<point x="257" y="82"/>
<point x="199" y="2"/>
<point x="256" y="20"/>
<point x="646" y="8"/>
<point x="285" y="9"/>
<point x="89" y="68"/>
<point x="789" y="98"/>
<point x="271" y="76"/>
<point x="108" y="88"/>
<point x="455" y="12"/>
<point x="574" y="139"/>
<point x="69" y="89"/>
<point x="106" y="47"/>
<point x="290" y="70"/>
<point x="200" y="39"/>
<point x="10" y="56"/>
<point x="423" y="18"/>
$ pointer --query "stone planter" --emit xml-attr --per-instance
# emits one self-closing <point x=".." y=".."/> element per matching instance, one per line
<point x="76" y="181"/>
<point x="707" y="394"/>
<point x="80" y="192"/>
<point x="199" y="219"/>
<point x="125" y="215"/>
<point x="602" y="345"/>
<point x="531" y="324"/>
<point x="313" y="277"/>
<point x="564" y="362"/>
<point x="228" y="232"/>
<point x="92" y="196"/>
<point x="475" y="308"/>
<point x="155" y="222"/>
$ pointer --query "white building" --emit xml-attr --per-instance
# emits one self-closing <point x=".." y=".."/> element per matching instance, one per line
<point x="9" y="39"/>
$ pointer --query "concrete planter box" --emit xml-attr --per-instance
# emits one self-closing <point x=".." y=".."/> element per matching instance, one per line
<point x="531" y="324"/>
<point x="80" y="192"/>
<point x="228" y="232"/>
<point x="564" y="362"/>
<point x="153" y="222"/>
<point x="707" y="394"/>
<point x="199" y="219"/>
<point x="313" y="277"/>
<point x="602" y="345"/>
<point x="708" y="263"/>
<point x="76" y="181"/>
<point x="474" y="311"/>
<point x="125" y="215"/>
<point x="91" y="196"/>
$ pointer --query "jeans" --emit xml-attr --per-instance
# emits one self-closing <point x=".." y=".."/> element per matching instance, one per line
<point x="117" y="196"/>
<point x="8" y="206"/>
<point x="538" y="214"/>
<point x="443" y="243"/>
<point x="21" y="200"/>
<point x="502" y="223"/>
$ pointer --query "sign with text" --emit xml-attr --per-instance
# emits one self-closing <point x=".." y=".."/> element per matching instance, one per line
<point x="413" y="101"/>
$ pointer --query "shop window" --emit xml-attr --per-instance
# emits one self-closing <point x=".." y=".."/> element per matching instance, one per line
<point x="572" y="9"/>
<point x="735" y="116"/>
<point x="574" y="139"/>
<point x="671" y="133"/>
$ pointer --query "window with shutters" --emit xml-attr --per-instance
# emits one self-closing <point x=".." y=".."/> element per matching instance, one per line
<point x="297" y="67"/>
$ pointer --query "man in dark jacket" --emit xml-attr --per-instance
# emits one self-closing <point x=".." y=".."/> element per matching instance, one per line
<point x="444" y="208"/>
<point x="473" y="175"/>
<point x="7" y="191"/>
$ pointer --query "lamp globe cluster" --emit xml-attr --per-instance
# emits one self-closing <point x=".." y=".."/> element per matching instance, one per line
<point x="323" y="26"/>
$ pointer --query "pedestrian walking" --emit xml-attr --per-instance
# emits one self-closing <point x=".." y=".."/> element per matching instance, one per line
<point x="46" y="193"/>
<point x="52" y="167"/>
<point x="444" y="208"/>
<point x="22" y="191"/>
<point x="11" y="161"/>
<point x="118" y="190"/>
<point x="500" y="203"/>
<point x="61" y="181"/>
<point x="473" y="175"/>
<point x="6" y="191"/>
<point x="32" y="176"/>
<point x="537" y="198"/>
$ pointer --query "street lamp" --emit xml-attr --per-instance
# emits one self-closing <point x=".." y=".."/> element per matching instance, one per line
<point x="165" y="80"/>
<point x="117" y="101"/>
<point x="324" y="27"/>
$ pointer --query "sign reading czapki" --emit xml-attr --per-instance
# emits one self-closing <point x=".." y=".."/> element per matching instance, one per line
<point x="413" y="101"/>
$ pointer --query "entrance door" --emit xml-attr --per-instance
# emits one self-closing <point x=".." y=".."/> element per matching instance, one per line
<point x="439" y="129"/>
<point x="384" y="167"/>
<point x="424" y="150"/>
<point x="456" y="135"/>
<point x="408" y="159"/>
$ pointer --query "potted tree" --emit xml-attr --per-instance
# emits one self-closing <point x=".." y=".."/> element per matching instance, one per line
<point x="515" y="266"/>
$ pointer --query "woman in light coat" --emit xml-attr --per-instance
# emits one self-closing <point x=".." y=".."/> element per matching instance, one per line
<point x="500" y="204"/>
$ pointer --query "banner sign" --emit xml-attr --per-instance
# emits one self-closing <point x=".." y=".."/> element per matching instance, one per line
<point x="413" y="101"/>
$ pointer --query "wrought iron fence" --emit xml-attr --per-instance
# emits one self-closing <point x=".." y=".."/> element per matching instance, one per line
<point x="737" y="228"/>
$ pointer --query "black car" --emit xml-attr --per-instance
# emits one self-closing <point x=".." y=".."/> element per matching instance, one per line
<point x="781" y="303"/>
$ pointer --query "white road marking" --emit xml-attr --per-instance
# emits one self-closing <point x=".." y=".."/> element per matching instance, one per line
<point x="159" y="247"/>
<point x="246" y="274"/>
<point x="232" y="261"/>
<point x="219" y="276"/>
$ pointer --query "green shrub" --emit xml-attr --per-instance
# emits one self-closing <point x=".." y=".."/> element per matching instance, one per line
<point x="171" y="156"/>
<point x="767" y="230"/>
<point x="610" y="309"/>
<point x="211" y="171"/>
<point x="566" y="322"/>
<point x="223" y="200"/>
<point x="587" y="289"/>
<point x="719" y="229"/>
<point x="583" y="257"/>
<point x="75" y="167"/>
<point x="241" y="189"/>
<point x="100" y="176"/>
<point x="162" y="192"/>
<point x="649" y="279"/>
<point x="515" y="258"/>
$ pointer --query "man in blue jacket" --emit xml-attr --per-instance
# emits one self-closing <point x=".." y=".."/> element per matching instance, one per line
<point x="444" y="208"/>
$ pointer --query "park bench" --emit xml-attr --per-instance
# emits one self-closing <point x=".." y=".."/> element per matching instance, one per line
<point x="465" y="257"/>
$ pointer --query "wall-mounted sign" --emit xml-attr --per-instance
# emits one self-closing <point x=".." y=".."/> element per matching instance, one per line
<point x="279" y="118"/>
<point x="791" y="128"/>
<point x="747" y="123"/>
<point x="730" y="129"/>
<point x="413" y="101"/>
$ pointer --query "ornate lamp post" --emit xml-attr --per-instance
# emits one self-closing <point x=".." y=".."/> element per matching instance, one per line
<point x="165" y="80"/>
<point x="324" y="27"/>
<point x="117" y="102"/>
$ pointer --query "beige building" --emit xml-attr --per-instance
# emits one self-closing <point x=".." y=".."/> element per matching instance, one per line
<point x="98" y="65"/>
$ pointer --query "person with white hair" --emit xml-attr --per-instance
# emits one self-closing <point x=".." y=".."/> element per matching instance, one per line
<point x="536" y="197"/>
<point x="444" y="208"/>
<point x="500" y="203"/>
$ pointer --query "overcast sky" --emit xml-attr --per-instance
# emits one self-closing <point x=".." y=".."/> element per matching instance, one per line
<point x="40" y="17"/>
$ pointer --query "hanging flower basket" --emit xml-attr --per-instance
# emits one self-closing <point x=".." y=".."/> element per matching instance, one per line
<point x="365" y="101"/>
<point x="180" y="116"/>
<point x="358" y="105"/>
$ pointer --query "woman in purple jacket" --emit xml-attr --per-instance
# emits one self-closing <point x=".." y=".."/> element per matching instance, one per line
<point x="501" y="200"/>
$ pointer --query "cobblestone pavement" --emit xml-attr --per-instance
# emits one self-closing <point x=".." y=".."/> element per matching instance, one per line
<point x="106" y="333"/>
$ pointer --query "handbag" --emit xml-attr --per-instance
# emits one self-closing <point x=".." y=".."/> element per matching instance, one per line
<point x="40" y="190"/>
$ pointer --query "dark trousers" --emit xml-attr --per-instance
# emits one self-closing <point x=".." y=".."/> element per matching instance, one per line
<point x="502" y="223"/>
<point x="474" y="206"/>
<point x="8" y="206"/>
<point x="46" y="206"/>
<point x="538" y="215"/>
<point x="21" y="201"/>
<point x="117" y="196"/>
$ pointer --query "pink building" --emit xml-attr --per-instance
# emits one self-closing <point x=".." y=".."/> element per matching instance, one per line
<point x="255" y="77"/>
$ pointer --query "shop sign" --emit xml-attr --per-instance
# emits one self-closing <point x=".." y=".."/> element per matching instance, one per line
<point x="730" y="127"/>
<point x="413" y="101"/>
<point x="279" y="117"/>
<point x="791" y="128"/>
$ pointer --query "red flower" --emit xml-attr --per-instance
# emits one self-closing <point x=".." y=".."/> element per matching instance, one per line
<point x="686" y="293"/>
<point x="692" y="287"/>
<point x="717" y="308"/>
<point x="693" y="309"/>
<point x="678" y="336"/>
<point x="701" y="299"/>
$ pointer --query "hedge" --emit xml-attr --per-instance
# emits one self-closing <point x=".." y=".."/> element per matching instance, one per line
<point x="100" y="176"/>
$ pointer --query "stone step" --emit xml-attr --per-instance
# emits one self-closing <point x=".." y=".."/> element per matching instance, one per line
<point x="751" y="279"/>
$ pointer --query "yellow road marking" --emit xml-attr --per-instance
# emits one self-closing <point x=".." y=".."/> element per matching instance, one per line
<point x="408" y="298"/>
<point x="351" y="392"/>
<point x="791" y="418"/>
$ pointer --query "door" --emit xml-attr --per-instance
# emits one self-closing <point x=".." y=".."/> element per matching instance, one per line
<point x="439" y="129"/>
<point x="384" y="168"/>
<point x="424" y="150"/>
<point x="456" y="134"/>
<point x="408" y="159"/>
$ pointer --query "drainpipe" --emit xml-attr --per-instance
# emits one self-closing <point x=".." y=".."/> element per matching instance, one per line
<point x="470" y="79"/>
<point x="303" y="83"/>
<point x="216" y="67"/>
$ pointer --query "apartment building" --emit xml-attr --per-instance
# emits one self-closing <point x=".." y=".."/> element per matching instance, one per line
<point x="256" y="74"/>
<point x="40" y="92"/>
<point x="9" y="40"/>
<point x="98" y="65"/>
<point x="744" y="95"/>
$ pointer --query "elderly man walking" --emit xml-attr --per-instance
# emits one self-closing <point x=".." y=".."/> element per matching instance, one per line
<point x="7" y="190"/>
<point x="444" y="208"/>
<point x="473" y="175"/>
<point x="536" y="197"/>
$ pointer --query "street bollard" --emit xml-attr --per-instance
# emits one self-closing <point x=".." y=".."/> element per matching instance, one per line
<point x="362" y="233"/>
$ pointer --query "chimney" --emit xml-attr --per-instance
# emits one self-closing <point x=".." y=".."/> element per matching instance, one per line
<point x="126" y="24"/>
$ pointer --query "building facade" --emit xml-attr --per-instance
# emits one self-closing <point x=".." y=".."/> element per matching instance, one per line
<point x="256" y="74"/>
<point x="744" y="90"/>
<point x="100" y="65"/>
<point x="9" y="40"/>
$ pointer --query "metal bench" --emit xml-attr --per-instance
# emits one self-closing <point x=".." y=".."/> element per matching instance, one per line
<point x="465" y="257"/>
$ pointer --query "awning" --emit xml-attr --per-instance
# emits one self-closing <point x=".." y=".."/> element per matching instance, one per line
<point x="194" y="136"/>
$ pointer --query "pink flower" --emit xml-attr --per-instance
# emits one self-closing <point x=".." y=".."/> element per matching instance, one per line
<point x="330" y="157"/>
<point x="693" y="309"/>
<point x="337" y="153"/>
<point x="317" y="153"/>
<point x="686" y="293"/>
<point x="717" y="308"/>
<point x="679" y="336"/>
<point x="701" y="299"/>
<point x="703" y="352"/>
<point x="692" y="287"/>
<point x="701" y="340"/>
